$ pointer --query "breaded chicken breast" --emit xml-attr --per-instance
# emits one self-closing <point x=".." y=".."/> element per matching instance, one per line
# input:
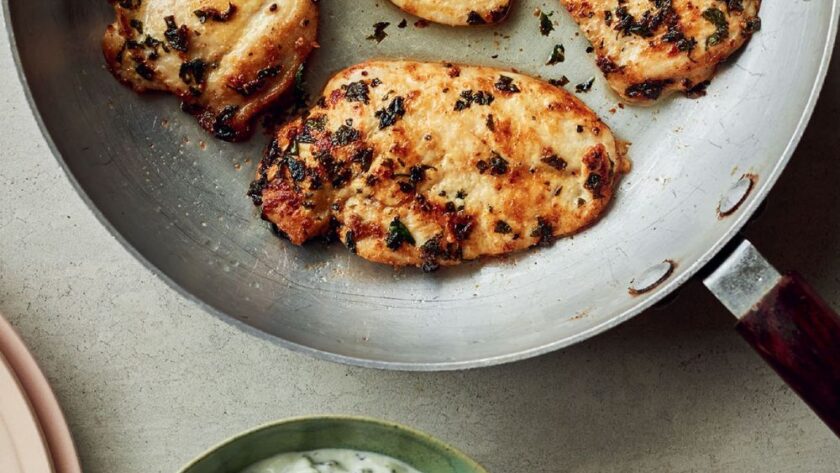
<point x="226" y="60"/>
<point x="650" y="48"/>
<point x="457" y="12"/>
<point x="431" y="164"/>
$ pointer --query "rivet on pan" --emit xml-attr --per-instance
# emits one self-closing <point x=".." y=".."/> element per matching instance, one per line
<point x="736" y="196"/>
<point x="652" y="278"/>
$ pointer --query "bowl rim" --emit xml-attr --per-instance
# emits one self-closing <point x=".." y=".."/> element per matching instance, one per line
<point x="344" y="418"/>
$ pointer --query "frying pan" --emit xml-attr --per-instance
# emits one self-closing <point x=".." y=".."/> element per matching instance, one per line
<point x="176" y="197"/>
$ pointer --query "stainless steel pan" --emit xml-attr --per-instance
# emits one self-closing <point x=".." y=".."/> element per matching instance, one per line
<point x="175" y="197"/>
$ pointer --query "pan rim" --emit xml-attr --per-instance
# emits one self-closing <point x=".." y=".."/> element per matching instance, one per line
<point x="686" y="273"/>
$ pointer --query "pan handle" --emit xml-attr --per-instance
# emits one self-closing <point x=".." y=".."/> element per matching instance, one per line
<point x="788" y="324"/>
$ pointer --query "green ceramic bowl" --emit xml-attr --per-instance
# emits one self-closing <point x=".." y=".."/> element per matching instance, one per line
<point x="417" y="449"/>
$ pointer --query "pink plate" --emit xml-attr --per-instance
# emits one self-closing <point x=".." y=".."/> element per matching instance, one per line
<point x="56" y="436"/>
<point x="22" y="447"/>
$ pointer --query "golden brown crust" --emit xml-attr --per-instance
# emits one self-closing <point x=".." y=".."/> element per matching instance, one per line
<point x="431" y="164"/>
<point x="651" y="48"/>
<point x="227" y="61"/>
<point x="458" y="12"/>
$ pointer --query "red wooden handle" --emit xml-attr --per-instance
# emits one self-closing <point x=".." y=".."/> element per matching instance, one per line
<point x="799" y="335"/>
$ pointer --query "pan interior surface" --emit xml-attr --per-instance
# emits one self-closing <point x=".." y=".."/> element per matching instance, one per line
<point x="177" y="196"/>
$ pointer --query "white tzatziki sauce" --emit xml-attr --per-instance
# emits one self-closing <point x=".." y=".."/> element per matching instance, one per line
<point x="330" y="461"/>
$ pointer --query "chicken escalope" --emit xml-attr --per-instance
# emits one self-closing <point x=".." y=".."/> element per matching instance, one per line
<point x="227" y="61"/>
<point x="457" y="12"/>
<point x="432" y="164"/>
<point x="650" y="48"/>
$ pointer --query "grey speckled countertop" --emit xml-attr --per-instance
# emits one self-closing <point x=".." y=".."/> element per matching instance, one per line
<point x="148" y="379"/>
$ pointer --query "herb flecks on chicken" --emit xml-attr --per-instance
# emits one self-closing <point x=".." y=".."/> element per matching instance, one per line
<point x="226" y="60"/>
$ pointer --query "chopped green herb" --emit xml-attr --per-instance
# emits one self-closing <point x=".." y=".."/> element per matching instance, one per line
<point x="177" y="36"/>
<point x="558" y="55"/>
<point x="505" y="84"/>
<point x="544" y="232"/>
<point x="345" y="135"/>
<point x="717" y="18"/>
<point x="379" y="31"/>
<point x="398" y="234"/>
<point x="498" y="164"/>
<point x="144" y="71"/>
<point x="546" y="26"/>
<point x="193" y="71"/>
<point x="585" y="87"/>
<point x="388" y="116"/>
<point x="213" y="14"/>
<point x="555" y="161"/>
<point x="356" y="92"/>
<point x="752" y="25"/>
<point x="475" y="19"/>
<point x="502" y="227"/>
<point x="563" y="80"/>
